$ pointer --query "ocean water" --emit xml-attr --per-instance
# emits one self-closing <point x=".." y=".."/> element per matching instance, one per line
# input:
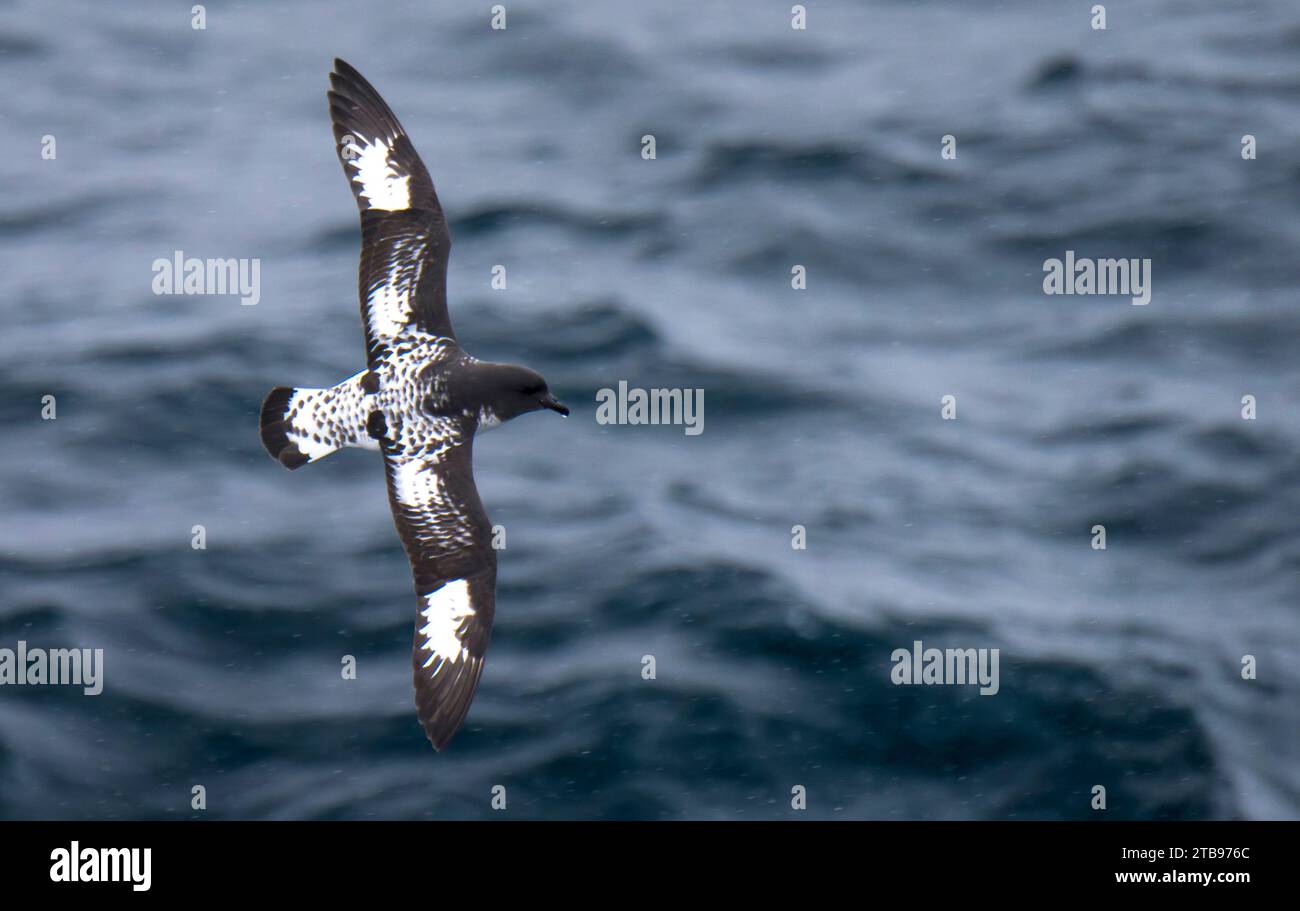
<point x="775" y="147"/>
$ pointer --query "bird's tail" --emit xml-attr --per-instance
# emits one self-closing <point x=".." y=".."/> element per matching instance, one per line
<point x="304" y="425"/>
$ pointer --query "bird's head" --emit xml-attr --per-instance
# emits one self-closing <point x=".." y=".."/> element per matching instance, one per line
<point x="518" y="390"/>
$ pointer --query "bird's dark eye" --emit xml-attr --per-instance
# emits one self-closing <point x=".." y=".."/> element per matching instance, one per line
<point x="533" y="390"/>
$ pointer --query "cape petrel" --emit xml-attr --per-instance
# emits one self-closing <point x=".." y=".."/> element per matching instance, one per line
<point x="420" y="401"/>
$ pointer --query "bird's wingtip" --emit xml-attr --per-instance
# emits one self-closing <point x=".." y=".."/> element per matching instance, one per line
<point x="345" y="69"/>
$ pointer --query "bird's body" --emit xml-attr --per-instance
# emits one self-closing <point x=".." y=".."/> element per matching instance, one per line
<point x="420" y="401"/>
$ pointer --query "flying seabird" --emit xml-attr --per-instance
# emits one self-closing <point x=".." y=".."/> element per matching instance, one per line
<point x="420" y="401"/>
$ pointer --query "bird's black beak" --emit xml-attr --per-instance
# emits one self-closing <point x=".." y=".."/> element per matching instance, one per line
<point x="551" y="402"/>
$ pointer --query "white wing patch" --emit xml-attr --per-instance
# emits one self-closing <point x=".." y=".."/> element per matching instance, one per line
<point x="446" y="612"/>
<point x="416" y="484"/>
<point x="389" y="312"/>
<point x="390" y="303"/>
<point x="381" y="186"/>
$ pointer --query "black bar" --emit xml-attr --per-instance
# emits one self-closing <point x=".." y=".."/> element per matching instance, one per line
<point x="329" y="859"/>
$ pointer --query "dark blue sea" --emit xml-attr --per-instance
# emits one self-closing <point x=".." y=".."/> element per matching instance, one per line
<point x="775" y="147"/>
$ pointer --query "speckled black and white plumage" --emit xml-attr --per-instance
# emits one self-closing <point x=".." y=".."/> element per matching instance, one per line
<point x="420" y="401"/>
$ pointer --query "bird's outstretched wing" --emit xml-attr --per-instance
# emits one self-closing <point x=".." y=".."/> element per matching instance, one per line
<point x="404" y="237"/>
<point x="447" y="537"/>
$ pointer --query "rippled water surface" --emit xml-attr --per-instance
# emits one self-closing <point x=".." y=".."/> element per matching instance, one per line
<point x="775" y="147"/>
